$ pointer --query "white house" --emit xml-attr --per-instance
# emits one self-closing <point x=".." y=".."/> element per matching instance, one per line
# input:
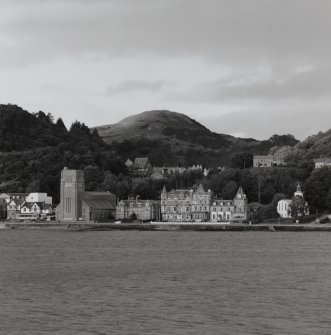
<point x="41" y="209"/>
<point x="283" y="208"/>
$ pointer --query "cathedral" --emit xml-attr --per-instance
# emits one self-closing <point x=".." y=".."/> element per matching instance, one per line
<point x="78" y="205"/>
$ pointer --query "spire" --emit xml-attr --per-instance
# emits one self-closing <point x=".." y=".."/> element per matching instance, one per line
<point x="240" y="194"/>
<point x="298" y="187"/>
<point x="164" y="190"/>
<point x="298" y="192"/>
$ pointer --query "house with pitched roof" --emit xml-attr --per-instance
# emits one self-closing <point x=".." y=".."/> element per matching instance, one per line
<point x="41" y="209"/>
<point x="14" y="207"/>
<point x="230" y="210"/>
<point x="142" y="168"/>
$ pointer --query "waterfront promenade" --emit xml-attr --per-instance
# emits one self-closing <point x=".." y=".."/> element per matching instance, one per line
<point x="166" y="226"/>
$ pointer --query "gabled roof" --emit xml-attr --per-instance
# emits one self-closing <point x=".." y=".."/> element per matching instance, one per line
<point x="141" y="163"/>
<point x="17" y="202"/>
<point x="157" y="175"/>
<point x="29" y="205"/>
<point x="99" y="204"/>
<point x="128" y="162"/>
<point x="100" y="200"/>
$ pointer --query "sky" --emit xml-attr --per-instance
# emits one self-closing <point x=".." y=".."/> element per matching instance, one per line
<point x="250" y="68"/>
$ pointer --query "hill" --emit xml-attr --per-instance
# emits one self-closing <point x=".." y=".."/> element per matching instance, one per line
<point x="165" y="125"/>
<point x="183" y="140"/>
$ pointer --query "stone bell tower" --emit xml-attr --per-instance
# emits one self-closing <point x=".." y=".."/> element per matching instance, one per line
<point x="72" y="190"/>
<point x="241" y="204"/>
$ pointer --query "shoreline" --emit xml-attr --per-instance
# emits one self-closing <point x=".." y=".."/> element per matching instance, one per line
<point x="165" y="226"/>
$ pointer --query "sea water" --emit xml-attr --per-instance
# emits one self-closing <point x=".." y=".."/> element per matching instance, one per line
<point x="130" y="282"/>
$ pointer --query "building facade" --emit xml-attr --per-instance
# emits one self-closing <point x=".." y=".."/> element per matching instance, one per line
<point x="221" y="210"/>
<point x="200" y="205"/>
<point x="263" y="161"/>
<point x="230" y="210"/>
<point x="176" y="205"/>
<point x="267" y="161"/>
<point x="20" y="204"/>
<point x="135" y="208"/>
<point x="72" y="188"/>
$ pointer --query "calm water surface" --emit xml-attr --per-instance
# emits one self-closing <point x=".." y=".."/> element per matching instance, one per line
<point x="117" y="282"/>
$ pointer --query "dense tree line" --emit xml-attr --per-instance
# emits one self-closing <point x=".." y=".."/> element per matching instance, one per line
<point x="34" y="149"/>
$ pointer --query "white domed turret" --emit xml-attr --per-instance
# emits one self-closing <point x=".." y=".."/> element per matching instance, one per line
<point x="298" y="192"/>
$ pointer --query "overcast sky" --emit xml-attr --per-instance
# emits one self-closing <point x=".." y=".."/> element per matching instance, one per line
<point x="250" y="68"/>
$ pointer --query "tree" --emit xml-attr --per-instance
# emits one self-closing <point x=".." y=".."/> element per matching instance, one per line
<point x="133" y="217"/>
<point x="297" y="207"/>
<point x="60" y="124"/>
<point x="317" y="187"/>
<point x="3" y="209"/>
<point x="270" y="211"/>
<point x="242" y="160"/>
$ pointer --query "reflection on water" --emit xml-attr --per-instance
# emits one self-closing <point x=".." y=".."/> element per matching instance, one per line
<point x="164" y="283"/>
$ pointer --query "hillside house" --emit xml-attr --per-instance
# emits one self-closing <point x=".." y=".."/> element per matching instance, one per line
<point x="321" y="162"/>
<point x="263" y="161"/>
<point x="267" y="161"/>
<point x="139" y="169"/>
